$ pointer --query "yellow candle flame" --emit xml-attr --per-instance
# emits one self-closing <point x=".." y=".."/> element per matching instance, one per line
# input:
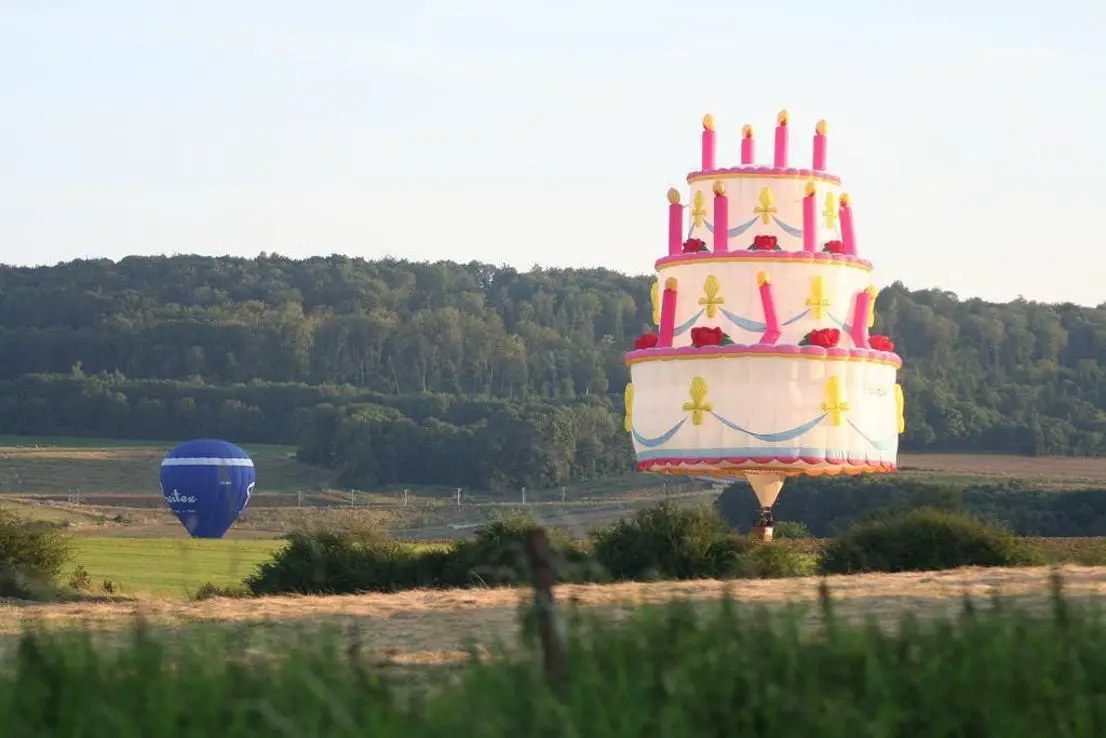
<point x="708" y="122"/>
<point x="820" y="128"/>
<point x="763" y="278"/>
<point x="719" y="187"/>
<point x="782" y="118"/>
<point x="811" y="188"/>
<point x="746" y="131"/>
<point x="670" y="283"/>
<point x="846" y="201"/>
<point x="673" y="196"/>
<point x="872" y="291"/>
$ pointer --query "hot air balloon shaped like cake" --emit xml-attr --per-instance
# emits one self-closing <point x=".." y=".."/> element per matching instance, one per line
<point x="763" y="364"/>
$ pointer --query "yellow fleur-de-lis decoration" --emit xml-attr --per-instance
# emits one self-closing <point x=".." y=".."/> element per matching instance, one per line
<point x="899" y="408"/>
<point x="629" y="424"/>
<point x="698" y="208"/>
<point x="830" y="213"/>
<point x="834" y="404"/>
<point x="766" y="209"/>
<point x="817" y="301"/>
<point x="698" y="404"/>
<point x="655" y="296"/>
<point x="712" y="300"/>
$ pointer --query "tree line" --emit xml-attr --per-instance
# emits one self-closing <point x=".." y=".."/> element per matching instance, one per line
<point x="830" y="506"/>
<point x="476" y="367"/>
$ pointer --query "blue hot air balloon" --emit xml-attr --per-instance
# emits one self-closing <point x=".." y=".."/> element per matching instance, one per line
<point x="207" y="483"/>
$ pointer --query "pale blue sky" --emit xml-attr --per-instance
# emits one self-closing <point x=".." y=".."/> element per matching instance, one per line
<point x="971" y="134"/>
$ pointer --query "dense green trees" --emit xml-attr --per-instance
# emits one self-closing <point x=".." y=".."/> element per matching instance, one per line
<point x="467" y="374"/>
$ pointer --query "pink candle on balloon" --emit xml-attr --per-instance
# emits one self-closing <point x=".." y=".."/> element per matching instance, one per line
<point x="781" y="140"/>
<point x="810" y="219"/>
<point x="747" y="145"/>
<point x="721" y="217"/>
<point x="848" y="236"/>
<point x="675" y="222"/>
<point x="768" y="304"/>
<point x="858" y="331"/>
<point x="708" y="142"/>
<point x="668" y="314"/>
<point x="820" y="146"/>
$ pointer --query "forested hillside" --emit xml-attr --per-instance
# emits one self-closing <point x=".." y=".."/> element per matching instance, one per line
<point x="468" y="373"/>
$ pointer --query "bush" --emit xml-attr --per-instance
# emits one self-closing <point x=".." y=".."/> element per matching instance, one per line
<point x="772" y="561"/>
<point x="663" y="542"/>
<point x="496" y="555"/>
<point x="921" y="540"/>
<point x="32" y="555"/>
<point x="209" y="591"/>
<point x="790" y="530"/>
<point x="336" y="561"/>
<point x="670" y="542"/>
<point x="80" y="579"/>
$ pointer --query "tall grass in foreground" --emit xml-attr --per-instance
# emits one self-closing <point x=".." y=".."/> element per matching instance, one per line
<point x="673" y="670"/>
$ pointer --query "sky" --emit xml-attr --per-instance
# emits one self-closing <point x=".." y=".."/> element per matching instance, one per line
<point x="971" y="135"/>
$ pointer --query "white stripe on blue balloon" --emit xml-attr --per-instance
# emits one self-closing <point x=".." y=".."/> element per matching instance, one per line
<point x="206" y="461"/>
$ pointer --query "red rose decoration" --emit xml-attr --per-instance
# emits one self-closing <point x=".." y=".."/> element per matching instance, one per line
<point x="693" y="245"/>
<point x="881" y="343"/>
<point x="646" y="341"/>
<point x="834" y="247"/>
<point x="824" y="337"/>
<point x="707" y="337"/>
<point x="764" y="243"/>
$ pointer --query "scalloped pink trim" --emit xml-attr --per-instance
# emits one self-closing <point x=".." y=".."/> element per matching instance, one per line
<point x="787" y="349"/>
<point x="814" y="173"/>
<point x="765" y="460"/>
<point x="746" y="254"/>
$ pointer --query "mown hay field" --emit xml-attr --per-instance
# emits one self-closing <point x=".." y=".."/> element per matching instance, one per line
<point x="428" y="627"/>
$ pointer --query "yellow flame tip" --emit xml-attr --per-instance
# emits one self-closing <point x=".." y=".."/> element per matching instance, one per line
<point x="708" y="122"/>
<point x="673" y="196"/>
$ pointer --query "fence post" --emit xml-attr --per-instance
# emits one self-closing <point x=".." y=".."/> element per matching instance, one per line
<point x="458" y="497"/>
<point x="550" y="628"/>
<point x="523" y="495"/>
<point x="404" y="497"/>
<point x="564" y="491"/>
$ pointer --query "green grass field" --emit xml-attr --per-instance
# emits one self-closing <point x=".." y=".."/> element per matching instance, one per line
<point x="167" y="567"/>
